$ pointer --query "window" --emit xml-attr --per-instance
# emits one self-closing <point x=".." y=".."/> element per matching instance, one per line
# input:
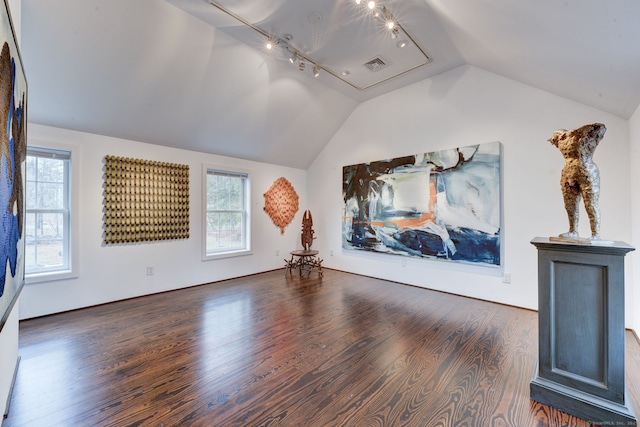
<point x="227" y="230"/>
<point x="48" y="228"/>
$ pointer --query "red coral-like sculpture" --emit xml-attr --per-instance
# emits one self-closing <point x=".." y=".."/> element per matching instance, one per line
<point x="281" y="203"/>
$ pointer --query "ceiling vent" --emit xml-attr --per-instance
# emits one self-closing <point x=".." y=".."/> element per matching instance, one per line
<point x="376" y="64"/>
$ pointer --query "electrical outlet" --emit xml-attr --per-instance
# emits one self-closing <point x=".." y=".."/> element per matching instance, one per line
<point x="331" y="252"/>
<point x="506" y="278"/>
<point x="277" y="252"/>
<point x="151" y="270"/>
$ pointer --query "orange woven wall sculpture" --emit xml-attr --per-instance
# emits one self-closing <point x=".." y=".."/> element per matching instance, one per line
<point x="281" y="203"/>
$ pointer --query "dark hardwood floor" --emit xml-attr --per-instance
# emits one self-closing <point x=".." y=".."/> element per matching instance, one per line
<point x="265" y="350"/>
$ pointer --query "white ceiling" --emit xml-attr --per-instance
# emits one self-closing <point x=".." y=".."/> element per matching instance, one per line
<point x="181" y="73"/>
<point x="337" y="35"/>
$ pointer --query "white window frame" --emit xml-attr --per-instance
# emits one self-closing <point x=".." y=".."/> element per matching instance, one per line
<point x="206" y="169"/>
<point x="71" y="270"/>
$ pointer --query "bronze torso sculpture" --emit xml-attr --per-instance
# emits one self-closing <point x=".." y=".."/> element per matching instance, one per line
<point x="580" y="176"/>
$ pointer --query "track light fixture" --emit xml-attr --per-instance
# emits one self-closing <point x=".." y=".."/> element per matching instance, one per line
<point x="301" y="59"/>
<point x="390" y="22"/>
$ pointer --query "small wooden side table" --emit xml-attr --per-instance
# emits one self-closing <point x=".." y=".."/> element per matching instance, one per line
<point x="305" y="261"/>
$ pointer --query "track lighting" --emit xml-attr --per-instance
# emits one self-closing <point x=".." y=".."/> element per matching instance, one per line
<point x="376" y="10"/>
<point x="295" y="56"/>
<point x="390" y="22"/>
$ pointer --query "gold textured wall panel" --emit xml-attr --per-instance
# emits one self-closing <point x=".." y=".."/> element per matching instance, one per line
<point x="145" y="200"/>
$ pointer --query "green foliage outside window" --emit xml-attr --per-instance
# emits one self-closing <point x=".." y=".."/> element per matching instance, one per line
<point x="226" y="211"/>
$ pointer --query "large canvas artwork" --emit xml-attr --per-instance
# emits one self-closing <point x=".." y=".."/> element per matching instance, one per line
<point x="443" y="205"/>
<point x="13" y="148"/>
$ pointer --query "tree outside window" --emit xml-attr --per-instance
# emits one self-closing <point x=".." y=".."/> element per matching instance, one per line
<point x="47" y="246"/>
<point x="226" y="211"/>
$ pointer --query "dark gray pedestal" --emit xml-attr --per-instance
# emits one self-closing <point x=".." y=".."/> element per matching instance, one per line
<point x="581" y="331"/>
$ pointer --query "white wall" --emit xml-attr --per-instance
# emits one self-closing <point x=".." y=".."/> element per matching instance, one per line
<point x="634" y="160"/>
<point x="461" y="107"/>
<point x="8" y="356"/>
<point x="109" y="273"/>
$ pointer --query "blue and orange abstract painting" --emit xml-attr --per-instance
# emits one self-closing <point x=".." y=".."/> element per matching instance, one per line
<point x="442" y="205"/>
<point x="13" y="148"/>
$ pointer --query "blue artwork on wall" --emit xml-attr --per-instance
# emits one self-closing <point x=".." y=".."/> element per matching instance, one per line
<point x="13" y="149"/>
<point x="442" y="205"/>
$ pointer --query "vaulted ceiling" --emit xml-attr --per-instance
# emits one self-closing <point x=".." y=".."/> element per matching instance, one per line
<point x="184" y="73"/>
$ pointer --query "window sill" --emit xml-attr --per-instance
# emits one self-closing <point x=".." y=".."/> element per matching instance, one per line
<point x="229" y="254"/>
<point x="50" y="276"/>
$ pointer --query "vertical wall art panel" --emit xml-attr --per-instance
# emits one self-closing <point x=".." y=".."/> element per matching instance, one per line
<point x="281" y="203"/>
<point x="145" y="200"/>
<point x="13" y="151"/>
<point x="444" y="205"/>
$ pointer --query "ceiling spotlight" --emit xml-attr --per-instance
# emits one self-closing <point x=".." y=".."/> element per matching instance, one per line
<point x="394" y="33"/>
<point x="358" y="1"/>
<point x="371" y="5"/>
<point x="294" y="57"/>
<point x="301" y="65"/>
<point x="389" y="20"/>
<point x="402" y="43"/>
<point x="316" y="71"/>
<point x="271" y="43"/>
<point x="345" y="73"/>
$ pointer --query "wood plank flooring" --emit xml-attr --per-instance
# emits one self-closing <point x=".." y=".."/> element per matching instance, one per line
<point x="270" y="350"/>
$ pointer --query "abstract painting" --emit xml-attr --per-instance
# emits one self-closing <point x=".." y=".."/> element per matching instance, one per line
<point x="441" y="205"/>
<point x="13" y="150"/>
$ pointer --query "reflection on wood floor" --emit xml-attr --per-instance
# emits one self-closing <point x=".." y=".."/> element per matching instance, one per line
<point x="270" y="350"/>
